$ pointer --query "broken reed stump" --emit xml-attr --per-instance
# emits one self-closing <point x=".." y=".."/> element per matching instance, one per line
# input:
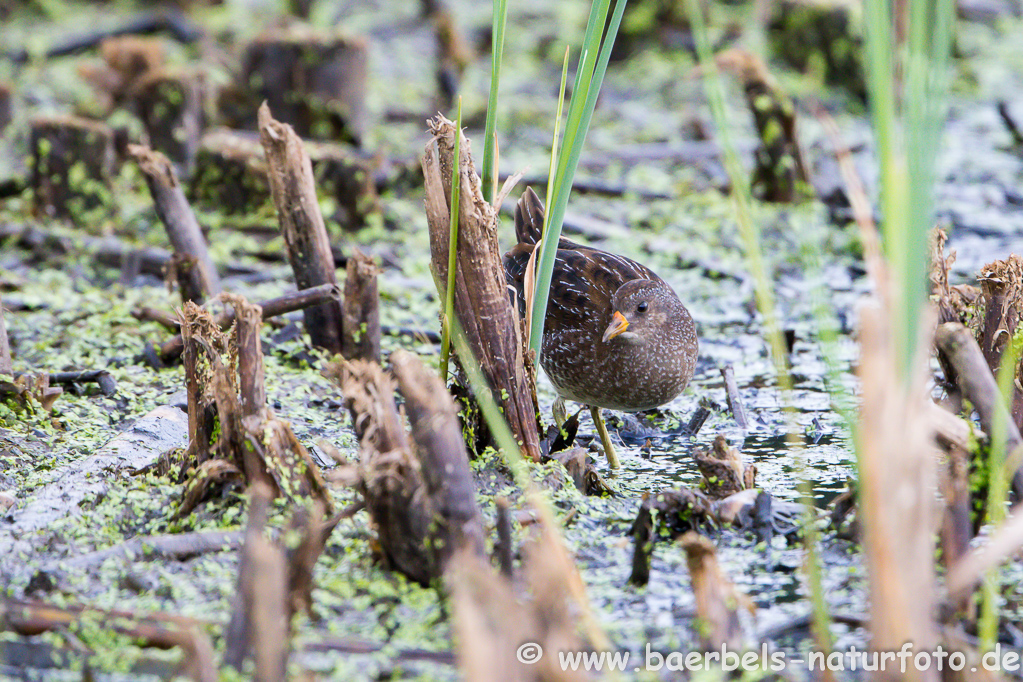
<point x="197" y="335"/>
<point x="779" y="173"/>
<point x="717" y="599"/>
<point x="315" y="82"/>
<point x="482" y="304"/>
<point x="360" y="339"/>
<point x="294" y="194"/>
<point x="73" y="161"/>
<point x="974" y="378"/>
<point x="170" y="105"/>
<point x="443" y="458"/>
<point x="724" y="472"/>
<point x="230" y="173"/>
<point x="200" y="279"/>
<point x="274" y="307"/>
<point x="503" y="635"/>
<point x="259" y="622"/>
<point x="252" y="390"/>
<point x="1001" y="285"/>
<point x="250" y="437"/>
<point x="420" y="496"/>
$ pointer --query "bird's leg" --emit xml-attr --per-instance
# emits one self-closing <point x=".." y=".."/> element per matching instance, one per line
<point x="605" y="438"/>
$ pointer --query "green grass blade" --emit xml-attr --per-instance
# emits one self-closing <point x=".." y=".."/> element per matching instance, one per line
<point x="552" y="170"/>
<point x="589" y="77"/>
<point x="490" y="131"/>
<point x="449" y="296"/>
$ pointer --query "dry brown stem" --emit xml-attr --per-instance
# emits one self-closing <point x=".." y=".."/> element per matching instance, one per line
<point x="294" y="193"/>
<point x="178" y="219"/>
<point x="717" y="599"/>
<point x="482" y="304"/>
<point x="361" y="309"/>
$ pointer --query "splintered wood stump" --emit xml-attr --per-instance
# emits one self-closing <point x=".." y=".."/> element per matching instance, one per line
<point x="717" y="599"/>
<point x="73" y="161"/>
<point x="294" y="193"/>
<point x="348" y="177"/>
<point x="196" y="333"/>
<point x="361" y="308"/>
<point x="482" y="304"/>
<point x="443" y="459"/>
<point x="1002" y="286"/>
<point x="315" y="82"/>
<point x="178" y="219"/>
<point x="423" y="511"/>
<point x="171" y="108"/>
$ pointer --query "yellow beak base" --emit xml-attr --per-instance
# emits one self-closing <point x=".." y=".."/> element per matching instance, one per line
<point x="618" y="325"/>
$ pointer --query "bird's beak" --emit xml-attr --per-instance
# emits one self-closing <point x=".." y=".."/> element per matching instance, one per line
<point x="618" y="325"/>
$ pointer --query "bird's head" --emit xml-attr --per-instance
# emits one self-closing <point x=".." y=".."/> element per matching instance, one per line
<point x="642" y="310"/>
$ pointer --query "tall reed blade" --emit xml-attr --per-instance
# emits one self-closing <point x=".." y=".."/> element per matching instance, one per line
<point x="490" y="131"/>
<point x="593" y="61"/>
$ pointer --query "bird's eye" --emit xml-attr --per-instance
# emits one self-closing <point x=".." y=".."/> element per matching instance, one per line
<point x="641" y="307"/>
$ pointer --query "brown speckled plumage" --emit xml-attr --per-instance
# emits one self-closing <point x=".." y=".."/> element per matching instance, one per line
<point x="645" y="367"/>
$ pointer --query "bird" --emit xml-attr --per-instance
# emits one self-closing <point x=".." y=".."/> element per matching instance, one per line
<point x="616" y="336"/>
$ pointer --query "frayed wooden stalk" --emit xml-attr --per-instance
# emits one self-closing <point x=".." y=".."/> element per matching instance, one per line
<point x="197" y="330"/>
<point x="734" y="399"/>
<point x="6" y="366"/>
<point x="1002" y="286"/>
<point x="274" y="307"/>
<point x="259" y="618"/>
<point x="677" y="512"/>
<point x="582" y="471"/>
<point x="230" y="173"/>
<point x="257" y="442"/>
<point x="6" y="105"/>
<point x="443" y="460"/>
<point x="482" y="304"/>
<point x="717" y="599"/>
<point x="177" y="217"/>
<point x="249" y="318"/>
<point x="420" y="497"/>
<point x="897" y="492"/>
<point x="294" y="194"/>
<point x="361" y="309"/>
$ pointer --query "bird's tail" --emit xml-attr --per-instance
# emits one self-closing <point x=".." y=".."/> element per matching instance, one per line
<point x="529" y="218"/>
